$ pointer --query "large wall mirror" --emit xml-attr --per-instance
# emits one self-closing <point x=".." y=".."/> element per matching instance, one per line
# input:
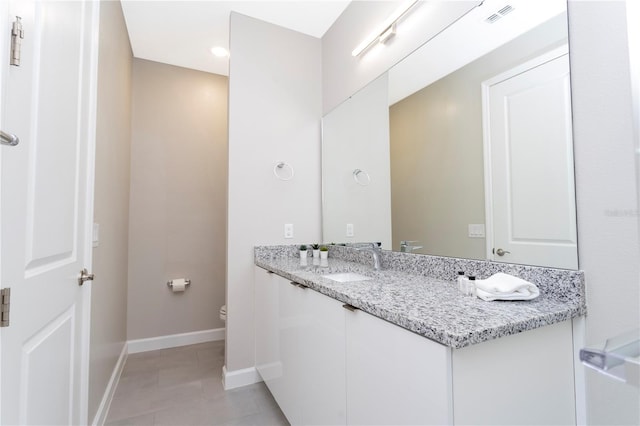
<point x="464" y="148"/>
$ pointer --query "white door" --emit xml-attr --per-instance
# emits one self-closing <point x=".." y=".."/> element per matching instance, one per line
<point x="46" y="198"/>
<point x="531" y="213"/>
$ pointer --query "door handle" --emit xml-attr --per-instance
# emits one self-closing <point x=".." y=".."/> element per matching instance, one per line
<point x="85" y="276"/>
<point x="349" y="307"/>
<point x="8" y="139"/>
<point x="501" y="252"/>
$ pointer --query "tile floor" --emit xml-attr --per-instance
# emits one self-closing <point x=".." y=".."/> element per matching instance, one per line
<point x="183" y="386"/>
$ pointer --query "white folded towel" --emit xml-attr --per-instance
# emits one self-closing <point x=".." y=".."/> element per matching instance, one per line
<point x="502" y="286"/>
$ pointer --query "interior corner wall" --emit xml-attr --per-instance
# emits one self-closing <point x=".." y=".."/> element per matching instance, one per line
<point x="111" y="208"/>
<point x="275" y="107"/>
<point x="606" y="193"/>
<point x="178" y="199"/>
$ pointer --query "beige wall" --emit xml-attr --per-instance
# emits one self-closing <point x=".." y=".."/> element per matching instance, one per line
<point x="111" y="209"/>
<point x="437" y="173"/>
<point x="274" y="115"/>
<point x="606" y="192"/>
<point x="178" y="199"/>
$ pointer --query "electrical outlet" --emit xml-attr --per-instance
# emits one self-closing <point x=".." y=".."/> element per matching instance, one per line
<point x="349" y="229"/>
<point x="288" y="230"/>
<point x="476" y="230"/>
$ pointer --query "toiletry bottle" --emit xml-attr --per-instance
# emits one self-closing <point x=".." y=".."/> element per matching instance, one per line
<point x="471" y="286"/>
<point x="461" y="283"/>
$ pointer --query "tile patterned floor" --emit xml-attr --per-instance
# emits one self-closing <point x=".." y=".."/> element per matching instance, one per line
<point x="183" y="386"/>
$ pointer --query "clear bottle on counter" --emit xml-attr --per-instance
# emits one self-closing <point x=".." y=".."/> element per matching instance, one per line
<point x="461" y="282"/>
<point x="471" y="286"/>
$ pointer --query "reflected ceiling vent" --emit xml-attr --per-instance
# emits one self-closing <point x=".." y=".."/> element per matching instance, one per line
<point x="493" y="18"/>
<point x="505" y="10"/>
<point x="499" y="14"/>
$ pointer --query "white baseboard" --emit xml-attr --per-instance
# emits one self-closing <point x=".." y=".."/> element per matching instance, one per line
<point x="238" y="378"/>
<point x="105" y="404"/>
<point x="175" y="340"/>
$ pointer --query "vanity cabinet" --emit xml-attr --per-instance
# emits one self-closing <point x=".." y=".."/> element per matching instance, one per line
<point x="327" y="365"/>
<point x="300" y="346"/>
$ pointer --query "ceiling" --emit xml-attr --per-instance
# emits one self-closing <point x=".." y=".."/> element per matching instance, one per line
<point x="182" y="32"/>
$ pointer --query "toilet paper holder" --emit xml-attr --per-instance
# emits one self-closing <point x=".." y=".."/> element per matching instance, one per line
<point x="187" y="283"/>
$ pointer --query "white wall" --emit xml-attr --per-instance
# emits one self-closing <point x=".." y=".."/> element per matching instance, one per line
<point x="606" y="192"/>
<point x="111" y="208"/>
<point x="343" y="75"/>
<point x="356" y="136"/>
<point x="274" y="115"/>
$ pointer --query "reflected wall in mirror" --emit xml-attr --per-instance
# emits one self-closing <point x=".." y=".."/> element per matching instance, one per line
<point x="438" y="164"/>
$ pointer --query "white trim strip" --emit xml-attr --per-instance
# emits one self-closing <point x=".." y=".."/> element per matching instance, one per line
<point x="105" y="404"/>
<point x="239" y="378"/>
<point x="175" y="340"/>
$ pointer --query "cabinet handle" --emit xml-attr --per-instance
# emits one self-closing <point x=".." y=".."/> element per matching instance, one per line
<point x="349" y="307"/>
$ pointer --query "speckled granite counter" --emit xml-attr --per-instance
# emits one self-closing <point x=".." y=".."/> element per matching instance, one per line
<point x="407" y="293"/>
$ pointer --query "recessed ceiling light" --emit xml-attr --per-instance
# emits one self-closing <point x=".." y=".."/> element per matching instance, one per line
<point x="219" y="52"/>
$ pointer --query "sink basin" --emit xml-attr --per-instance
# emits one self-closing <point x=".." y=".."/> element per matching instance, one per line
<point x="345" y="277"/>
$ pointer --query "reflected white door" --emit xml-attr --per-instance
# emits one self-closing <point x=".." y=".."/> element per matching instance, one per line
<point x="46" y="184"/>
<point x="529" y="164"/>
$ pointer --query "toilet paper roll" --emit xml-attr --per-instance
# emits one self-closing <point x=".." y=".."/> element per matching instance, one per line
<point x="178" y="285"/>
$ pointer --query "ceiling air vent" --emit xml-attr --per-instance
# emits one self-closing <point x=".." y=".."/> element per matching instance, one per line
<point x="493" y="18"/>
<point x="499" y="14"/>
<point x="505" y="10"/>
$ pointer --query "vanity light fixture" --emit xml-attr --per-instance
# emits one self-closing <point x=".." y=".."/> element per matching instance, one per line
<point x="219" y="52"/>
<point x="387" y="29"/>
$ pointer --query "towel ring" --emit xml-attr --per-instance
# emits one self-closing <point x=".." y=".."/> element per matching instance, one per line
<point x="361" y="177"/>
<point x="280" y="171"/>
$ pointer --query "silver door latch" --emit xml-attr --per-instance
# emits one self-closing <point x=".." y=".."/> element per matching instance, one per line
<point x="5" y="306"/>
<point x="17" y="34"/>
<point x="501" y="252"/>
<point x="85" y="276"/>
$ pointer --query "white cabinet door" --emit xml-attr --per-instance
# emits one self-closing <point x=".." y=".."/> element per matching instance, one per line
<point x="323" y="349"/>
<point x="395" y="376"/>
<point x="278" y="322"/>
<point x="300" y="347"/>
<point x="526" y="378"/>
<point x="287" y="388"/>
<point x="268" y="361"/>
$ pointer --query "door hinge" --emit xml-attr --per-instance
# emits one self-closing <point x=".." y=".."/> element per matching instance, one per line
<point x="17" y="34"/>
<point x="5" y="305"/>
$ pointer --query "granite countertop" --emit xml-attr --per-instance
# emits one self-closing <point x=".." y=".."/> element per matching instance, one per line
<point x="431" y="307"/>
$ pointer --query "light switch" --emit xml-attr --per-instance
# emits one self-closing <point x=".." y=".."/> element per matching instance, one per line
<point x="349" y="229"/>
<point x="476" y="230"/>
<point x="288" y="230"/>
<point x="95" y="239"/>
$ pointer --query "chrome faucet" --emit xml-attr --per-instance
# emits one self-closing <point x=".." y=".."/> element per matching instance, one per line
<point x="374" y="248"/>
<point x="408" y="247"/>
